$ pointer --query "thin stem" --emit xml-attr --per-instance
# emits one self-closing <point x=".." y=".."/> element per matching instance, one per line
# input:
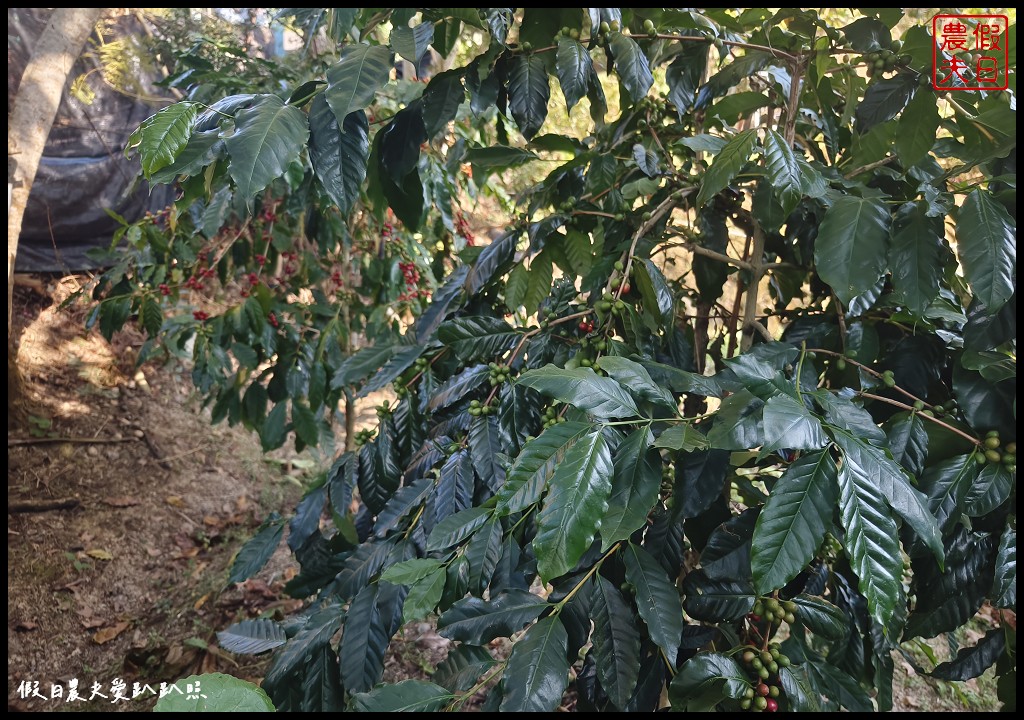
<point x="800" y="372"/>
<point x="731" y="43"/>
<point x="461" y="700"/>
<point x="793" y="106"/>
<point x="756" y="272"/>
<point x="666" y="206"/>
<point x="897" y="403"/>
<point x="598" y="213"/>
<point x="870" y="166"/>
<point x="708" y="253"/>
<point x="590" y="573"/>
<point x="870" y="371"/>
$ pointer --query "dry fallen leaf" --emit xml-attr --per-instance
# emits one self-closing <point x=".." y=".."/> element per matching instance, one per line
<point x="121" y="501"/>
<point x="201" y="601"/>
<point x="99" y="554"/>
<point x="26" y="626"/>
<point x="174" y="501"/>
<point x="107" y="634"/>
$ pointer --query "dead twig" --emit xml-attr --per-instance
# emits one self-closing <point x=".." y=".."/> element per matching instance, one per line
<point x="34" y="506"/>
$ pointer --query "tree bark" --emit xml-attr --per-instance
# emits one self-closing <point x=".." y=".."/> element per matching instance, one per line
<point x="28" y="125"/>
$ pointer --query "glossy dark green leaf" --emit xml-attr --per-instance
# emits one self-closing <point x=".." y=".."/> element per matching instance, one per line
<point x="800" y="697"/>
<point x="410" y="571"/>
<point x="161" y="137"/>
<point x="250" y="637"/>
<point x="219" y="693"/>
<point x="990" y="490"/>
<point x="794" y="521"/>
<point x="306" y="520"/>
<point x="872" y="543"/>
<point x="947" y="600"/>
<point x="716" y="600"/>
<point x="582" y="388"/>
<point x="682" y="380"/>
<point x="485" y="448"/>
<point x="699" y="479"/>
<point x="528" y="93"/>
<point x="616" y="641"/>
<point x="538" y="671"/>
<point x="868" y="34"/>
<point x="783" y="170"/>
<point x="970" y="662"/>
<point x="947" y="484"/>
<point x="490" y="260"/>
<point x="483" y="552"/>
<point x="423" y="597"/>
<point x="916" y="256"/>
<point x="726" y="554"/>
<point x="821" y="617"/>
<point x="273" y="432"/>
<point x="636" y="481"/>
<point x="404" y="696"/>
<point x="268" y="137"/>
<point x="305" y="423"/>
<point x="684" y="75"/>
<point x="850" y="251"/>
<point x="535" y="465"/>
<point x="361" y="364"/>
<point x="497" y="158"/>
<point x="573" y="68"/>
<point x="462" y="667"/>
<point x="631" y="65"/>
<point x="681" y="437"/>
<point x="321" y="687"/>
<point x="574" y="506"/>
<point x="1004" y="588"/>
<point x="654" y="289"/>
<point x="883" y="100"/>
<point x="412" y="42"/>
<point x="987" y="245"/>
<point x="365" y="562"/>
<point x="314" y="634"/>
<point x="789" y="424"/>
<point x="398" y="363"/>
<point x="456" y="528"/>
<point x="726" y="165"/>
<point x="738" y="423"/>
<point x="477" y="336"/>
<point x="441" y="101"/>
<point x="477" y="621"/>
<point x="986" y="405"/>
<point x="255" y="553"/>
<point x="454" y="489"/>
<point x="876" y="469"/>
<point x="849" y="416"/>
<point x="354" y="80"/>
<point x="541" y="272"/>
<point x="364" y="642"/>
<point x="908" y="441"/>
<point x="458" y="386"/>
<point x="338" y="158"/>
<point x="657" y="598"/>
<point x="632" y="376"/>
<point x="203" y="148"/>
<point x="917" y="129"/>
<point x="837" y="686"/>
<point x="705" y="680"/>
<point x="401" y="505"/>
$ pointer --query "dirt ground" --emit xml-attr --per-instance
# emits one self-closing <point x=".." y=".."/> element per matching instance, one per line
<point x="127" y="581"/>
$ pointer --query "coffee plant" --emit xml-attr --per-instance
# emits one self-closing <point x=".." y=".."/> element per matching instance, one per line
<point x="724" y="419"/>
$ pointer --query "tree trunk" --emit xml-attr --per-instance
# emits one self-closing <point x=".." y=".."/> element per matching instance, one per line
<point x="28" y="125"/>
